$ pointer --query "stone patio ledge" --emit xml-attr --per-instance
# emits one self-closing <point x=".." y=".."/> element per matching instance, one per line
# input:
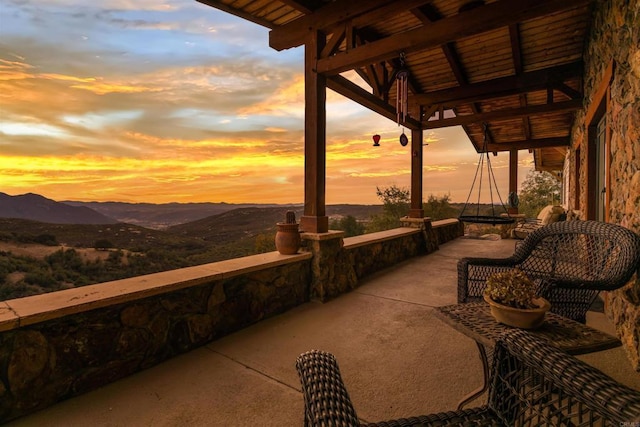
<point x="381" y="236"/>
<point x="39" y="308"/>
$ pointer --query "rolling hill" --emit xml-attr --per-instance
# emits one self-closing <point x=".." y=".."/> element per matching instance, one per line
<point x="38" y="208"/>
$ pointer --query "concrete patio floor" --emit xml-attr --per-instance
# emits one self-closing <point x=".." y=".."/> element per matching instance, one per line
<point x="396" y="358"/>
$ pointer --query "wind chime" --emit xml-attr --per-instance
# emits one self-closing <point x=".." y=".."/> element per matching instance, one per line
<point x="402" y="101"/>
<point x="402" y="97"/>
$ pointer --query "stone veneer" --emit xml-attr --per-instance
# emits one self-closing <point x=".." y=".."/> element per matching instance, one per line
<point x="615" y="37"/>
<point x="55" y="346"/>
<point x="58" y="345"/>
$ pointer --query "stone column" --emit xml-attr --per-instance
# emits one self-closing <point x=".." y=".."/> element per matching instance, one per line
<point x="424" y="224"/>
<point x="332" y="270"/>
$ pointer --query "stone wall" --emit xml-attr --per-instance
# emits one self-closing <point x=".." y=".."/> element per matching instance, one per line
<point x="615" y="38"/>
<point x="59" y="345"/>
<point x="339" y="264"/>
<point x="446" y="230"/>
<point x="45" y="362"/>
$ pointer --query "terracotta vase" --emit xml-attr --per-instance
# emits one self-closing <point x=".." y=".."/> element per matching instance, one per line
<point x="287" y="238"/>
<point x="525" y="318"/>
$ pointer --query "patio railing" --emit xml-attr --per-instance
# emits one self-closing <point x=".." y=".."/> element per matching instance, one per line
<point x="58" y="345"/>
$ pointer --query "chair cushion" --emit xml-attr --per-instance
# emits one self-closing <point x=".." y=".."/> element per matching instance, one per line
<point x="550" y="214"/>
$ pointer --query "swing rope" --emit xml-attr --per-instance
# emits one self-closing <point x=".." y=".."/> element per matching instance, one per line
<point x="485" y="219"/>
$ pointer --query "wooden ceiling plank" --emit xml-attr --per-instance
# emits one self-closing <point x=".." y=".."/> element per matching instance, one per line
<point x="480" y="20"/>
<point x="531" y="110"/>
<point x="361" y="13"/>
<point x="238" y="12"/>
<point x="562" y="141"/>
<point x="304" y="6"/>
<point x="503" y="86"/>
<point x="294" y="33"/>
<point x="516" y="53"/>
<point x="385" y="12"/>
<point x="427" y="14"/>
<point x="516" y="50"/>
<point x="354" y="92"/>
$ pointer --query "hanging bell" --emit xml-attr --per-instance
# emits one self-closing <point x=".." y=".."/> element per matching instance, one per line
<point x="376" y="140"/>
<point x="403" y="139"/>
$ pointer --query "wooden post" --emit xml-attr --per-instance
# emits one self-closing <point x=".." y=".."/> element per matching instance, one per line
<point x="513" y="177"/>
<point x="416" y="210"/>
<point x="314" y="219"/>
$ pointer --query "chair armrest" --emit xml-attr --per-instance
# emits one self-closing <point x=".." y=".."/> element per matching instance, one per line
<point x="326" y="399"/>
<point x="562" y="381"/>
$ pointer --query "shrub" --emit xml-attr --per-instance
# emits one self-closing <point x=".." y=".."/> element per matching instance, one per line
<point x="512" y="288"/>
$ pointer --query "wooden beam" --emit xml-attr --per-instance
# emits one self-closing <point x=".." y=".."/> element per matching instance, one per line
<point x="513" y="171"/>
<point x="416" y="210"/>
<point x="314" y="219"/>
<point x="334" y="43"/>
<point x="529" y="144"/>
<point x="503" y="86"/>
<point x="567" y="90"/>
<point x="354" y="92"/>
<point x="295" y="32"/>
<point x="480" y="20"/>
<point x="511" y="113"/>
<point x="237" y="12"/>
<point x="335" y="14"/>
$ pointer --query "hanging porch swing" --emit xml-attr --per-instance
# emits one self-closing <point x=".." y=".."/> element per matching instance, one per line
<point x="495" y="218"/>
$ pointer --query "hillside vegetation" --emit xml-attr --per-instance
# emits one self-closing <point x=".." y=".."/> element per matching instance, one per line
<point x="38" y="257"/>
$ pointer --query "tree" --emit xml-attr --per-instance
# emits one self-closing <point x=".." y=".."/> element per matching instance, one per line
<point x="103" y="245"/>
<point x="349" y="224"/>
<point x="395" y="205"/>
<point x="439" y="208"/>
<point x="46" y="239"/>
<point x="539" y="189"/>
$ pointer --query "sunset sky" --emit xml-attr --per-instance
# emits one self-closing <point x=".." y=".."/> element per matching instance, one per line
<point x="174" y="101"/>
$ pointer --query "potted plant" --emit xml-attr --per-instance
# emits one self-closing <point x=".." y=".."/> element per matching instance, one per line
<point x="511" y="296"/>
<point x="288" y="235"/>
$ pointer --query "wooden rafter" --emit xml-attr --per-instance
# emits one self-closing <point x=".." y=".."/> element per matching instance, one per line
<point x="354" y="92"/>
<point x="361" y="12"/>
<point x="503" y="86"/>
<point x="526" y="144"/>
<point x="480" y="20"/>
<point x="516" y="54"/>
<point x="511" y="113"/>
<point x="427" y="14"/>
<point x="293" y="34"/>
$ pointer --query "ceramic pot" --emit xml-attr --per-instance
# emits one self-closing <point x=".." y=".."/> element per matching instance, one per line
<point x="525" y="318"/>
<point x="287" y="238"/>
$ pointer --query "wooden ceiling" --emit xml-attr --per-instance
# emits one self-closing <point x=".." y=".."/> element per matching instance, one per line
<point x="509" y="72"/>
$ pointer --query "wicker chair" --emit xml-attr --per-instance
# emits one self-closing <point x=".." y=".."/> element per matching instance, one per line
<point x="570" y="262"/>
<point x="533" y="384"/>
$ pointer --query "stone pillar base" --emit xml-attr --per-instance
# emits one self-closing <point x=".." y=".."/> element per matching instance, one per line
<point x="430" y="238"/>
<point x="332" y="272"/>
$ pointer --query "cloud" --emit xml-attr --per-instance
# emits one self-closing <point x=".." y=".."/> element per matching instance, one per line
<point x="172" y="100"/>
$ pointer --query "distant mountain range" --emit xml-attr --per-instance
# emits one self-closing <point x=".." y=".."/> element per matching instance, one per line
<point x="38" y="208"/>
<point x="162" y="216"/>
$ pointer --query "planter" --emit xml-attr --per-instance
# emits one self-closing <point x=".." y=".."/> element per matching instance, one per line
<point x="287" y="238"/>
<point x="525" y="318"/>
